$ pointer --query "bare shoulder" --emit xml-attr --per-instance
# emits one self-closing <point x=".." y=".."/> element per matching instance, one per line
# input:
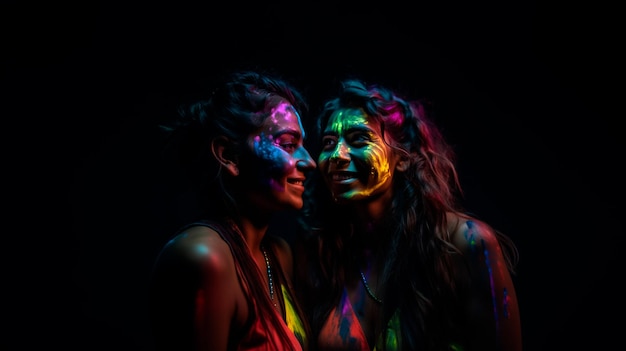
<point x="199" y="246"/>
<point x="480" y="247"/>
<point x="491" y="297"/>
<point x="470" y="234"/>
<point x="196" y="275"/>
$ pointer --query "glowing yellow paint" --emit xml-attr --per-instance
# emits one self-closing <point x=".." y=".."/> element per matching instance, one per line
<point x="370" y="149"/>
<point x="293" y="320"/>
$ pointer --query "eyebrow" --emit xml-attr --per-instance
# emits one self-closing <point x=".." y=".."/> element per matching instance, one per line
<point x="352" y="129"/>
<point x="290" y="131"/>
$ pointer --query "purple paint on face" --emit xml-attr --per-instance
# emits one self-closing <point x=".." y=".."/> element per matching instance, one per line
<point x="277" y="161"/>
<point x="279" y="148"/>
<point x="279" y="136"/>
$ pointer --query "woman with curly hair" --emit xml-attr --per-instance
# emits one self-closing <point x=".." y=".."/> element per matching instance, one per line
<point x="390" y="260"/>
<point x="221" y="283"/>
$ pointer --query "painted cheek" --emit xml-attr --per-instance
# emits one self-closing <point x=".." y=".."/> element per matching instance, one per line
<point x="264" y="147"/>
<point x="274" y="162"/>
<point x="322" y="160"/>
<point x="283" y="166"/>
<point x="377" y="158"/>
<point x="378" y="173"/>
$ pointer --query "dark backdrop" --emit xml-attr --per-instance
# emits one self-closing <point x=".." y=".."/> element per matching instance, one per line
<point x="525" y="91"/>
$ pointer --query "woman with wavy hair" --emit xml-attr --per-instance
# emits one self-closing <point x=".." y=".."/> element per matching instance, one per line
<point x="221" y="283"/>
<point x="390" y="260"/>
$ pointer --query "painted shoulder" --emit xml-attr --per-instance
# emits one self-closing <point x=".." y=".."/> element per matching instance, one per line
<point x="199" y="246"/>
<point x="470" y="234"/>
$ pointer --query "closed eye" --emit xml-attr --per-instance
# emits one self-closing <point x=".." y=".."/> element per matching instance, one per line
<point x="289" y="147"/>
<point x="288" y="142"/>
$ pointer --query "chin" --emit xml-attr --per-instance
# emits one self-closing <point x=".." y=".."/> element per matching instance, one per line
<point x="293" y="205"/>
<point x="349" y="197"/>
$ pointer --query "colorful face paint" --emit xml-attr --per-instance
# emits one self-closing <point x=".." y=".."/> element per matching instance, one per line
<point x="281" y="158"/>
<point x="355" y="161"/>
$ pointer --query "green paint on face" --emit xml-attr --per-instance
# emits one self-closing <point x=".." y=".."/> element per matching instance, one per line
<point x="354" y="160"/>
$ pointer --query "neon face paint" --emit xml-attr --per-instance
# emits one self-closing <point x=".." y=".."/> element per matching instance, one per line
<point x="355" y="161"/>
<point x="279" y="150"/>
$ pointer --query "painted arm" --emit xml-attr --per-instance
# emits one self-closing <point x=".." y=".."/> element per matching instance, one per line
<point x="492" y="306"/>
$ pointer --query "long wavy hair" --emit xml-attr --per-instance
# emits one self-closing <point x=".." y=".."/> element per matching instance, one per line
<point x="418" y="276"/>
<point x="235" y="109"/>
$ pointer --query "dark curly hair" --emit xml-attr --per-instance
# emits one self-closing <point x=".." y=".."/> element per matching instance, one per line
<point x="234" y="109"/>
<point x="417" y="273"/>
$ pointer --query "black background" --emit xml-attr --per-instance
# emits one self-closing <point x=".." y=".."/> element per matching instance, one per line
<point x="527" y="93"/>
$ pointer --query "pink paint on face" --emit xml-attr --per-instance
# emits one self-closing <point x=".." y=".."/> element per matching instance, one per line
<point x="283" y="160"/>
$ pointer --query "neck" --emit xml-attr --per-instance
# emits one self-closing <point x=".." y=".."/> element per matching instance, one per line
<point x="253" y="231"/>
<point x="369" y="234"/>
<point x="375" y="208"/>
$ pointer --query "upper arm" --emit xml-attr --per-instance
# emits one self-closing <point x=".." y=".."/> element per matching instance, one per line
<point x="206" y="266"/>
<point x="492" y="300"/>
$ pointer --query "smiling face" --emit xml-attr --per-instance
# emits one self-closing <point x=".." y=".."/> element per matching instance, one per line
<point x="275" y="177"/>
<point x="355" y="161"/>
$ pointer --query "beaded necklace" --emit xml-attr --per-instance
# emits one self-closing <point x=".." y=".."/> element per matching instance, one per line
<point x="269" y="275"/>
<point x="369" y="291"/>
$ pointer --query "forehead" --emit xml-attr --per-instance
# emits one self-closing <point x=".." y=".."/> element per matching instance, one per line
<point x="283" y="117"/>
<point x="349" y="118"/>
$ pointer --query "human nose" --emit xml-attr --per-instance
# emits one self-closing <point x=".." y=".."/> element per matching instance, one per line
<point x="341" y="153"/>
<point x="305" y="161"/>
